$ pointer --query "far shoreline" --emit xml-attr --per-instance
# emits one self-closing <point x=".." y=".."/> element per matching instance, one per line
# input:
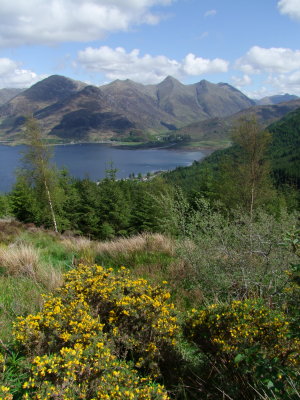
<point x="207" y="149"/>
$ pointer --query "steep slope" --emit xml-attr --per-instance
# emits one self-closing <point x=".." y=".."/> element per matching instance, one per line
<point x="220" y="128"/>
<point x="285" y="148"/>
<point x="44" y="93"/>
<point x="179" y="100"/>
<point x="139" y="103"/>
<point x="173" y="103"/>
<point x="7" y="94"/>
<point x="82" y="115"/>
<point x="220" y="100"/>
<point x="73" y="110"/>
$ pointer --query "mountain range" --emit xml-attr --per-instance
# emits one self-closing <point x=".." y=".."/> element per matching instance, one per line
<point x="70" y="110"/>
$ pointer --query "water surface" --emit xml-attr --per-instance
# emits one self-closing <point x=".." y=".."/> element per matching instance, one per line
<point x="91" y="160"/>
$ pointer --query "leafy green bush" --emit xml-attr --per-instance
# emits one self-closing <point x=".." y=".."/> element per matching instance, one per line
<point x="235" y="257"/>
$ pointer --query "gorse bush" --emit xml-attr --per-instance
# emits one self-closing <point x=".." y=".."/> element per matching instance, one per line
<point x="250" y="341"/>
<point x="4" y="390"/>
<point x="94" y="334"/>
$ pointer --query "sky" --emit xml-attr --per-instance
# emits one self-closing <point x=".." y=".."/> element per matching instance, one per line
<point x="253" y="45"/>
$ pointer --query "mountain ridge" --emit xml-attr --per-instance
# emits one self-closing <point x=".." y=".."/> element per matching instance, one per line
<point x="72" y="110"/>
<point x="117" y="107"/>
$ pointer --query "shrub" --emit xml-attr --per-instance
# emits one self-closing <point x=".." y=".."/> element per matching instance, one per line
<point x="4" y="389"/>
<point x="251" y="341"/>
<point x="236" y="258"/>
<point x="93" y="335"/>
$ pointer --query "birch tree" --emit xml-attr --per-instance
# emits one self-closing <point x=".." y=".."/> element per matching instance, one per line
<point x="245" y="173"/>
<point x="37" y="169"/>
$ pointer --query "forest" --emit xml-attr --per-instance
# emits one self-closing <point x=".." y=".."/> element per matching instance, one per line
<point x="184" y="285"/>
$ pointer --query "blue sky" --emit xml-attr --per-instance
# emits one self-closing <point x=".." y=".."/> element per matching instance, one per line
<point x="253" y="45"/>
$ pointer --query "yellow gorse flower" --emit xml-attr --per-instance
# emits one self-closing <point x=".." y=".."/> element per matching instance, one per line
<point x="98" y="314"/>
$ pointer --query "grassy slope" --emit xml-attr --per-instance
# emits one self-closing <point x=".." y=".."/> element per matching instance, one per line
<point x="284" y="153"/>
<point x="32" y="261"/>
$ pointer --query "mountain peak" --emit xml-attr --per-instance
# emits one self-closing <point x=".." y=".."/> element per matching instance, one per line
<point x="170" y="79"/>
<point x="54" y="87"/>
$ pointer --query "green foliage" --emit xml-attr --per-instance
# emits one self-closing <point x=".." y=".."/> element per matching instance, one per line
<point x="17" y="297"/>
<point x="285" y="149"/>
<point x="292" y="288"/>
<point x="235" y="257"/>
<point x="250" y="340"/>
<point x="5" y="206"/>
<point x="24" y="202"/>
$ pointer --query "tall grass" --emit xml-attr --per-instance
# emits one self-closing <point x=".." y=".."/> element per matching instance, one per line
<point x="23" y="260"/>
<point x="143" y="242"/>
<point x="20" y="260"/>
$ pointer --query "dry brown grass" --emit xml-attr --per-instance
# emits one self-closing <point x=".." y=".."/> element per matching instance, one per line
<point x="24" y="260"/>
<point x="20" y="260"/>
<point x="87" y="249"/>
<point x="78" y="244"/>
<point x="143" y="242"/>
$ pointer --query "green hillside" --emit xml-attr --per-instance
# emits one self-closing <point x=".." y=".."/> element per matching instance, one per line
<point x="283" y="154"/>
<point x="285" y="148"/>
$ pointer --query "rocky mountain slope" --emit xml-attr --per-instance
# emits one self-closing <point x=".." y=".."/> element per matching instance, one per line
<point x="72" y="110"/>
<point x="220" y="128"/>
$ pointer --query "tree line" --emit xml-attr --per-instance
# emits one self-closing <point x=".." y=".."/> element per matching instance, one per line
<point x="237" y="178"/>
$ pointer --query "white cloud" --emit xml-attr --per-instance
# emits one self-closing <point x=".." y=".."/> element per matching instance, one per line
<point x="286" y="83"/>
<point x="210" y="13"/>
<point x="278" y="69"/>
<point x="290" y="8"/>
<point x="53" y="21"/>
<point x="239" y="82"/>
<point x="119" y="64"/>
<point x="13" y="76"/>
<point x="278" y="60"/>
<point x="193" y="65"/>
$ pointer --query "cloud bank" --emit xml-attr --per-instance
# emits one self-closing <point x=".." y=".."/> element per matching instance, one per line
<point x="119" y="64"/>
<point x="278" y="60"/>
<point x="280" y="66"/>
<point x="24" y="22"/>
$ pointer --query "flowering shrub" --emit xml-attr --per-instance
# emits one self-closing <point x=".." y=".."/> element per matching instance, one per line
<point x="4" y="390"/>
<point x="249" y="337"/>
<point x="136" y="315"/>
<point x="86" y="340"/>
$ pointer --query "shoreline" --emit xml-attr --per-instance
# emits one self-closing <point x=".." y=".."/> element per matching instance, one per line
<point x="144" y="146"/>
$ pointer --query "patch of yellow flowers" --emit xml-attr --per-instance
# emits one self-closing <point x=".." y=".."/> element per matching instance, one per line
<point x="4" y="390"/>
<point x="229" y="329"/>
<point x="93" y="334"/>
